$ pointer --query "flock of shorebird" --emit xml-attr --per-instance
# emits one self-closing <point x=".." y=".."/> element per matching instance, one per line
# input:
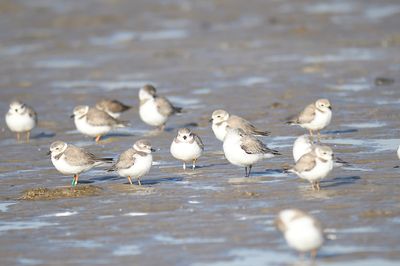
<point x="241" y="147"/>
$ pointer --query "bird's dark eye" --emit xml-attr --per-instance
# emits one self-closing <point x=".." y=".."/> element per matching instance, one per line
<point x="219" y="116"/>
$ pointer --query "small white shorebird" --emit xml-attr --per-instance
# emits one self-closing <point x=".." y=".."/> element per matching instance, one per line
<point x="155" y="110"/>
<point x="187" y="146"/>
<point x="314" y="117"/>
<point x="245" y="150"/>
<point x="21" y="118"/>
<point x="135" y="162"/>
<point x="301" y="231"/>
<point x="71" y="160"/>
<point x="221" y="119"/>
<point x="315" y="165"/>
<point x="94" y="122"/>
<point x="112" y="107"/>
<point x="303" y="145"/>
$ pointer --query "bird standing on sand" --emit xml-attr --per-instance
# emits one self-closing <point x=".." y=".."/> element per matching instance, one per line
<point x="21" y="118"/>
<point x="221" y="119"/>
<point x="245" y="150"/>
<point x="315" y="165"/>
<point x="94" y="122"/>
<point x="314" y="117"/>
<point x="187" y="146"/>
<point x="135" y="162"/>
<point x="71" y="160"/>
<point x="155" y="110"/>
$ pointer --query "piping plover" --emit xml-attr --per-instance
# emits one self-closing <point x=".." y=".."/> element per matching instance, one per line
<point x="301" y="231"/>
<point x="304" y="145"/>
<point x="21" y="118"/>
<point x="187" y="147"/>
<point x="245" y="150"/>
<point x="221" y="119"/>
<point x="135" y="162"/>
<point x="112" y="107"/>
<point x="94" y="122"/>
<point x="71" y="160"/>
<point x="314" y="117"/>
<point x="314" y="165"/>
<point x="155" y="110"/>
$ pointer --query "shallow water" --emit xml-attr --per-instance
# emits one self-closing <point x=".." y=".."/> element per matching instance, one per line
<point x="263" y="60"/>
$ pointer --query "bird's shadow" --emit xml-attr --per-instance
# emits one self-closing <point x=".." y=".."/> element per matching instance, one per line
<point x="339" y="181"/>
<point x="160" y="180"/>
<point x="211" y="165"/>
<point x="342" y="131"/>
<point x="117" y="135"/>
<point x="267" y="172"/>
<point x="105" y="178"/>
<point x="43" y="135"/>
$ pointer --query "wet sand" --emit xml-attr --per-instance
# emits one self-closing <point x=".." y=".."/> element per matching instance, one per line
<point x="263" y="60"/>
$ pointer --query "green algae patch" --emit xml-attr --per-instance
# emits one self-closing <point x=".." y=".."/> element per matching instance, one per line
<point x="42" y="193"/>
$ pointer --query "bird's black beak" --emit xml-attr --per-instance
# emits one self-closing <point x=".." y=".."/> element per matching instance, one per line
<point x="48" y="153"/>
<point x="153" y="150"/>
<point x="330" y="107"/>
<point x="72" y="116"/>
<point x="210" y="120"/>
<point x="184" y="137"/>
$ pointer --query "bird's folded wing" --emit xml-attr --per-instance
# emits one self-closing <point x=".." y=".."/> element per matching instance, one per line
<point x="78" y="156"/>
<point x="307" y="115"/>
<point x="198" y="141"/>
<point x="164" y="106"/>
<point x="126" y="159"/>
<point x="252" y="145"/>
<point x="305" y="163"/>
<point x="238" y="122"/>
<point x="97" y="117"/>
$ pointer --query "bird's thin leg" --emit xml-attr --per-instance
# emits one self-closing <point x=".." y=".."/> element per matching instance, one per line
<point x="73" y="181"/>
<point x="130" y="180"/>
<point x="317" y="184"/>
<point x="18" y="137"/>
<point x="249" y="170"/>
<point x="97" y="139"/>
<point x="311" y="135"/>
<point x="138" y="180"/>
<point x="194" y="164"/>
<point x="184" y="165"/>
<point x="28" y="136"/>
<point x="314" y="254"/>
<point x="313" y="185"/>
<point x="76" y="179"/>
<point x="245" y="171"/>
<point x="161" y="128"/>
<point x="319" y="136"/>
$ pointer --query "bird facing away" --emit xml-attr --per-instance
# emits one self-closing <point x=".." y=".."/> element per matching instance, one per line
<point x="187" y="147"/>
<point x="71" y="160"/>
<point x="21" y="118"/>
<point x="315" y="165"/>
<point x="314" y="117"/>
<point x="135" y="162"/>
<point x="221" y="119"/>
<point x="302" y="232"/>
<point x="155" y="110"/>
<point x="112" y="107"/>
<point x="94" y="122"/>
<point x="245" y="150"/>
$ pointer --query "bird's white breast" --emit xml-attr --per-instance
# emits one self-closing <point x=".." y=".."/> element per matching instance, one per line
<point x="320" y="171"/>
<point x="140" y="168"/>
<point x="320" y="121"/>
<point x="20" y="123"/>
<point x="65" y="168"/>
<point x="149" y="114"/>
<point x="220" y="130"/>
<point x="237" y="156"/>
<point x="185" y="151"/>
<point x="301" y="147"/>
<point x="87" y="129"/>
